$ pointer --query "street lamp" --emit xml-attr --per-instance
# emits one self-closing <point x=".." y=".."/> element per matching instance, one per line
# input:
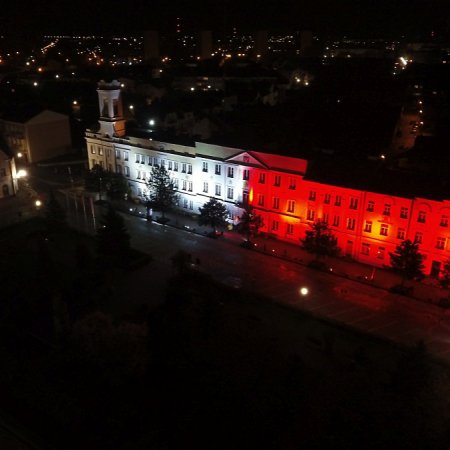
<point x="304" y="291"/>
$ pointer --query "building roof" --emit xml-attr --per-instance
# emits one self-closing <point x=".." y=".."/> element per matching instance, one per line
<point x="279" y="162"/>
<point x="32" y="115"/>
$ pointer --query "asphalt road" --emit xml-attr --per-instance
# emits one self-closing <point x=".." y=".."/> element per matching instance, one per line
<point x="338" y="299"/>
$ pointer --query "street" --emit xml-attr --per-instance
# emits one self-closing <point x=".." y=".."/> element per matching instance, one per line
<point x="338" y="299"/>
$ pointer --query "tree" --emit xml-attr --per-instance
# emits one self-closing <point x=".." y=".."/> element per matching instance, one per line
<point x="213" y="213"/>
<point x="103" y="181"/>
<point x="55" y="215"/>
<point x="162" y="193"/>
<point x="250" y="222"/>
<point x="320" y="240"/>
<point x="407" y="261"/>
<point x="113" y="240"/>
<point x="444" y="281"/>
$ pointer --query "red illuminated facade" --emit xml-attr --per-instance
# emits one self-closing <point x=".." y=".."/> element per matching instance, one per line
<point x="368" y="225"/>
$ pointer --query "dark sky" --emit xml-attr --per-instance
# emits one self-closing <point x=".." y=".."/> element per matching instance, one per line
<point x="327" y="16"/>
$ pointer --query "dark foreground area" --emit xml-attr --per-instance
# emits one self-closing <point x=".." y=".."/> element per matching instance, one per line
<point x="211" y="368"/>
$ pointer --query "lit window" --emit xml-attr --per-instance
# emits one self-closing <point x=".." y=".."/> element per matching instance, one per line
<point x="444" y="221"/>
<point x="365" y="249"/>
<point x="100" y="151"/>
<point x="368" y="226"/>
<point x="260" y="200"/>
<point x="291" y="206"/>
<point x="440" y="243"/>
<point x="338" y="200"/>
<point x="276" y="203"/>
<point x="310" y="214"/>
<point x="422" y="217"/>
<point x="370" y="206"/>
<point x="93" y="149"/>
<point x="353" y="203"/>
<point x="387" y="209"/>
<point x="418" y="238"/>
<point x="351" y="224"/>
<point x="403" y="213"/>
<point x="384" y="229"/>
<point x="401" y="234"/>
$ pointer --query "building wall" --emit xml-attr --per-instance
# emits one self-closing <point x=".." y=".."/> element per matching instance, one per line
<point x="8" y="180"/>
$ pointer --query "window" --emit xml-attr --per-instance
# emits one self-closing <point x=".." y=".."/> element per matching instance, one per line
<point x="184" y="185"/>
<point x="245" y="198"/>
<point x="262" y="178"/>
<point x="93" y="149"/>
<point x="176" y="183"/>
<point x="290" y="228"/>
<point x="444" y="221"/>
<point x="230" y="193"/>
<point x="125" y="156"/>
<point x="312" y="195"/>
<point x="150" y="161"/>
<point x="310" y="214"/>
<point x="277" y="180"/>
<point x="183" y="168"/>
<point x="139" y="192"/>
<point x="422" y="217"/>
<point x="276" y="203"/>
<point x="190" y="186"/>
<point x="292" y="183"/>
<point x="384" y="229"/>
<point x="127" y="171"/>
<point x="138" y="174"/>
<point x="100" y="151"/>
<point x="275" y="225"/>
<point x="138" y="157"/>
<point x="205" y="166"/>
<point x="260" y="200"/>
<point x="218" y="189"/>
<point x="401" y="234"/>
<point x="175" y="166"/>
<point x="218" y="169"/>
<point x="387" y="209"/>
<point x="403" y="213"/>
<point x="191" y="205"/>
<point x="245" y="174"/>
<point x="230" y="172"/>
<point x="418" y="238"/>
<point x="189" y="169"/>
<point x="185" y="203"/>
<point x="155" y="161"/>
<point x="117" y="154"/>
<point x="169" y="165"/>
<point x="353" y="203"/>
<point x="351" y="224"/>
<point x="325" y="217"/>
<point x="291" y="206"/>
<point x="338" y="200"/>
<point x="368" y="226"/>
<point x="440" y="243"/>
<point x="365" y="249"/>
<point x="370" y="206"/>
<point x="380" y="253"/>
<point x="205" y="187"/>
<point x="163" y="163"/>
<point x="118" y="169"/>
<point x="327" y="199"/>
<point x="336" y="221"/>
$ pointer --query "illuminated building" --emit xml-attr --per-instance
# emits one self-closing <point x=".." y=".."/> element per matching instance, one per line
<point x="368" y="225"/>
<point x="8" y="175"/>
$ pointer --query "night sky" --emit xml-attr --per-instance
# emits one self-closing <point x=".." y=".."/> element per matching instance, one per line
<point x="326" y="16"/>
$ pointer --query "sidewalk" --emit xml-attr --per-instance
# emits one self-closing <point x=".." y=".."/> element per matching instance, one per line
<point x="425" y="293"/>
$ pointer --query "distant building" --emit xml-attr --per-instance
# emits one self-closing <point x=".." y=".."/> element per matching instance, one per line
<point x="151" y="45"/>
<point x="8" y="178"/>
<point x="37" y="136"/>
<point x="288" y="193"/>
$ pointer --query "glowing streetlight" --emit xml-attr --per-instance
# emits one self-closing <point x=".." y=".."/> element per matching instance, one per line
<point x="151" y="122"/>
<point x="38" y="203"/>
<point x="19" y="155"/>
<point x="21" y="173"/>
<point x="304" y="291"/>
<point x="131" y="107"/>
